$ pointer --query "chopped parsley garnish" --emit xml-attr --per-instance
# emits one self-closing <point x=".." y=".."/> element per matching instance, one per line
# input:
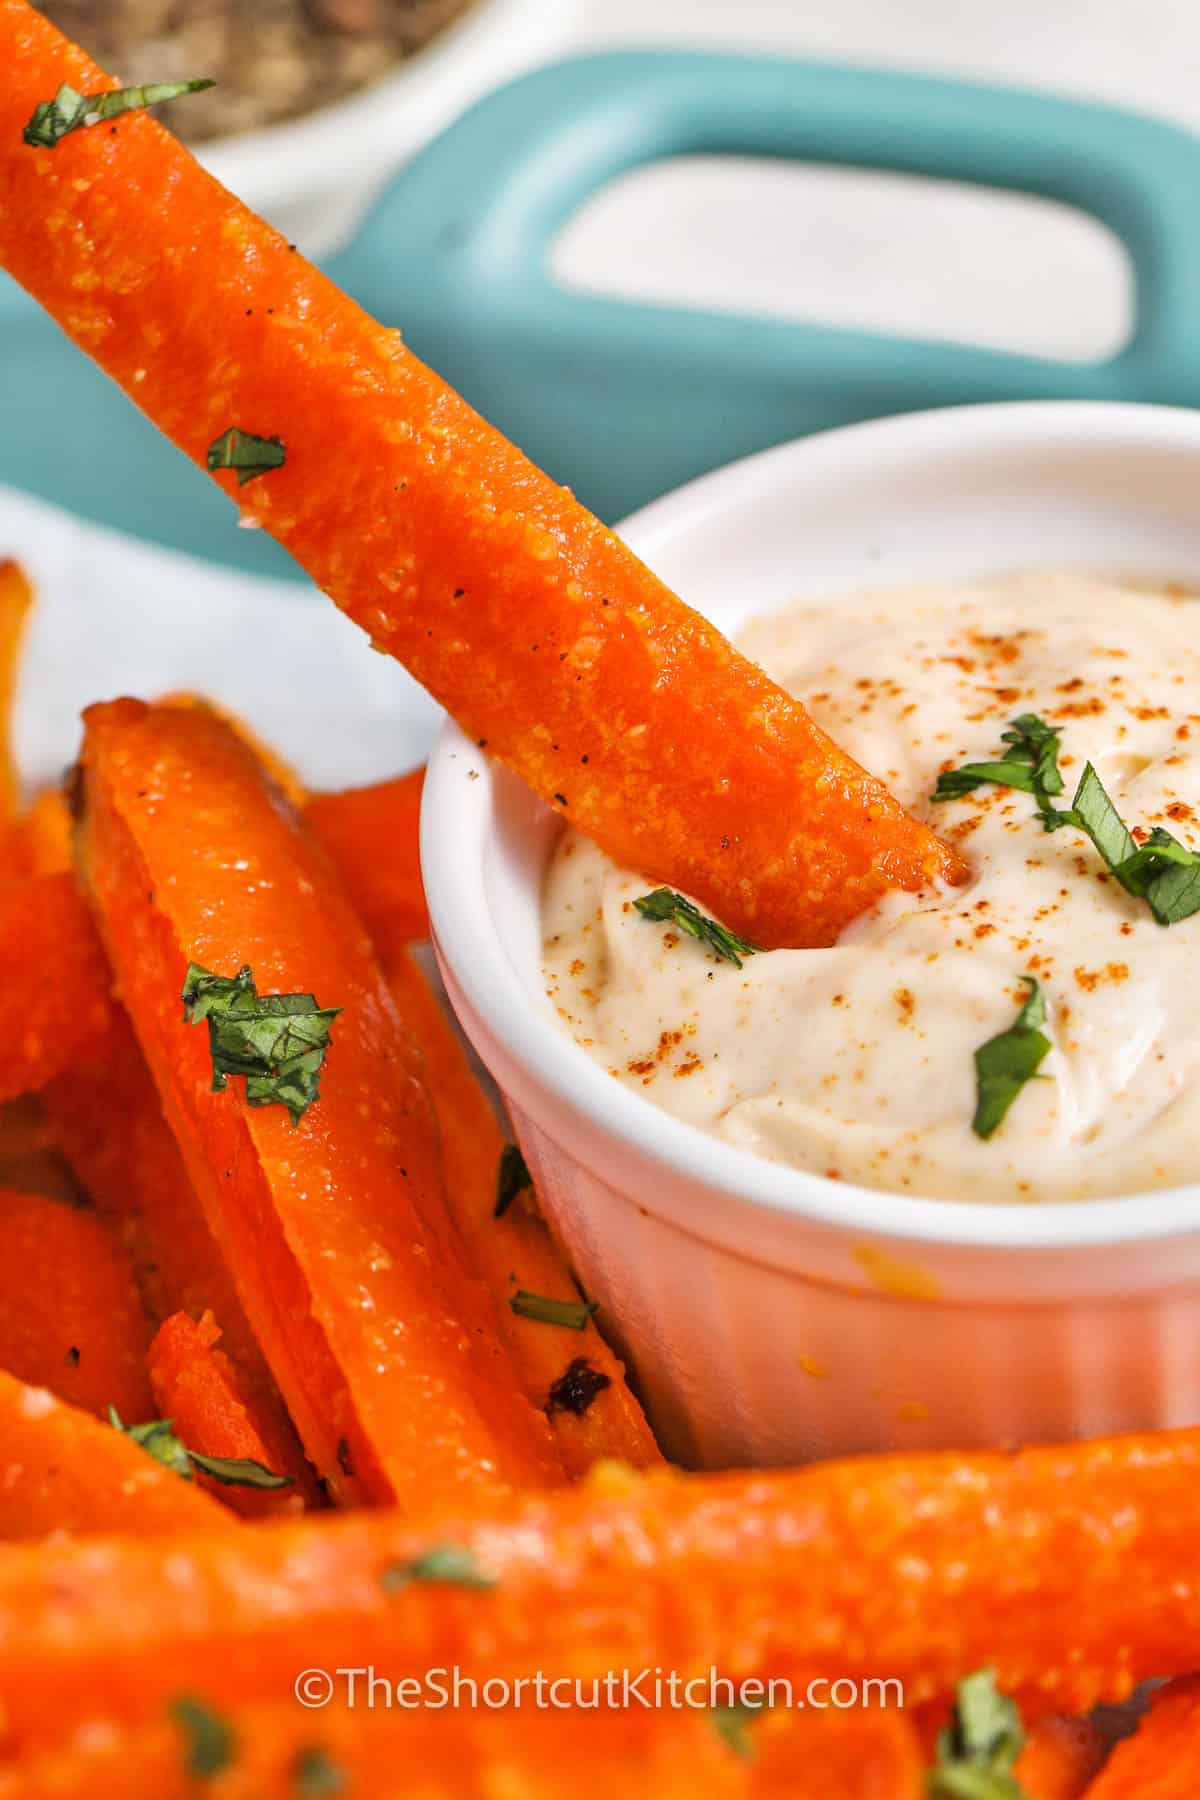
<point x="512" y="1178"/>
<point x="576" y="1388"/>
<point x="978" y="1750"/>
<point x="248" y="456"/>
<point x="158" y="1439"/>
<point x="1030" y="763"/>
<point x="1162" y="871"/>
<point x="315" y="1776"/>
<point x="209" y="1742"/>
<point x="277" y="1041"/>
<point x="449" y="1563"/>
<point x="70" y="110"/>
<point x="573" y="1314"/>
<point x="1006" y="1062"/>
<point x="238" y="1471"/>
<point x="666" y="907"/>
<point x="730" y="1724"/>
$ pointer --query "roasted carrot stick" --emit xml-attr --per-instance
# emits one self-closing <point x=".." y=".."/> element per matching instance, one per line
<point x="335" y="1228"/>
<point x="533" y="624"/>
<point x="915" y="1568"/>
<point x="1061" y="1757"/>
<point x="280" y="771"/>
<point x="54" y="982"/>
<point x="71" y="1318"/>
<point x="16" y="598"/>
<point x="107" y="1120"/>
<point x="570" y="1375"/>
<point x="1161" y="1761"/>
<point x="282" y="1752"/>
<point x="371" y="834"/>
<point x="63" y="1470"/>
<point x="41" y="836"/>
<point x="197" y="1387"/>
<point x="30" y="1159"/>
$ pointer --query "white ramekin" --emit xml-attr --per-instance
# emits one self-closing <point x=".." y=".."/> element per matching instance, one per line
<point x="772" y="1315"/>
<point x="313" y="177"/>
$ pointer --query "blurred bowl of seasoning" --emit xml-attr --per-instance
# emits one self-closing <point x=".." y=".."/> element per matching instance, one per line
<point x="317" y="102"/>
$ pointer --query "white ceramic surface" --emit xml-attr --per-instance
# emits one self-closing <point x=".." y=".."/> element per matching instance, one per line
<point x="314" y="177"/>
<point x="771" y="1314"/>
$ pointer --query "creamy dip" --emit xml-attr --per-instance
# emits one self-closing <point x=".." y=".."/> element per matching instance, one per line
<point x="858" y="1061"/>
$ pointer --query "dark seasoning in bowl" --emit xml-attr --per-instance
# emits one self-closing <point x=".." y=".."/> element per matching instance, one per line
<point x="272" y="59"/>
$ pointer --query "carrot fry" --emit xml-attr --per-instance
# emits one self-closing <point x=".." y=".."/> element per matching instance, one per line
<point x="109" y="1124"/>
<point x="54" y="982"/>
<point x="16" y="598"/>
<point x="41" y="837"/>
<point x="63" y="1470"/>
<point x="529" y="620"/>
<point x="916" y="1568"/>
<point x="197" y="1387"/>
<point x="572" y="1376"/>
<point x="1161" y="1761"/>
<point x="387" y="1354"/>
<point x="71" y="1319"/>
<point x="666" y="1755"/>
<point x="280" y="771"/>
<point x="1060" y="1758"/>
<point x="371" y="837"/>
<point x="30" y="1159"/>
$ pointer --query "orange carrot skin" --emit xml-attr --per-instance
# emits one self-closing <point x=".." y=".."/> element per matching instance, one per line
<point x="16" y="599"/>
<point x="54" y="982"/>
<point x="71" y="1318"/>
<point x="197" y="1387"/>
<point x="1060" y="1759"/>
<point x="280" y="771"/>
<point x="335" y="1230"/>
<point x="372" y="837"/>
<point x="41" y="837"/>
<point x="916" y="1567"/>
<point x="30" y="1159"/>
<point x="62" y="1470"/>
<point x="477" y="1754"/>
<point x="1161" y="1761"/>
<point x="619" y="705"/>
<point x="108" y="1122"/>
<point x="517" y="1251"/>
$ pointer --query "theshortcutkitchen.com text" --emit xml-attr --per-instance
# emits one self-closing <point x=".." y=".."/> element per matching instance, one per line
<point x="653" y="1689"/>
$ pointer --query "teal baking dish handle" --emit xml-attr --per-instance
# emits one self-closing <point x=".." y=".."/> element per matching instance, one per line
<point x="623" y="399"/>
<point x="620" y="399"/>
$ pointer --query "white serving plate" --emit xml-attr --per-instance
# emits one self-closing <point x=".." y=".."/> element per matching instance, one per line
<point x="736" y="1287"/>
<point x="118" y="616"/>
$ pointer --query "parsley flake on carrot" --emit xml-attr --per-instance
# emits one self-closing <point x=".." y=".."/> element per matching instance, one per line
<point x="978" y="1750"/>
<point x="208" y="1738"/>
<point x="449" y="1563"/>
<point x="248" y="456"/>
<point x="573" y="1315"/>
<point x="277" y="1041"/>
<point x="157" y="1438"/>
<point x="69" y="110"/>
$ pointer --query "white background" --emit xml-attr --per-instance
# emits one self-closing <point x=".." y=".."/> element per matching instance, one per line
<point x="792" y="242"/>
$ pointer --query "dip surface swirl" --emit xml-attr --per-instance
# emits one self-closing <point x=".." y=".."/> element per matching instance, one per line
<point x="858" y="1061"/>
